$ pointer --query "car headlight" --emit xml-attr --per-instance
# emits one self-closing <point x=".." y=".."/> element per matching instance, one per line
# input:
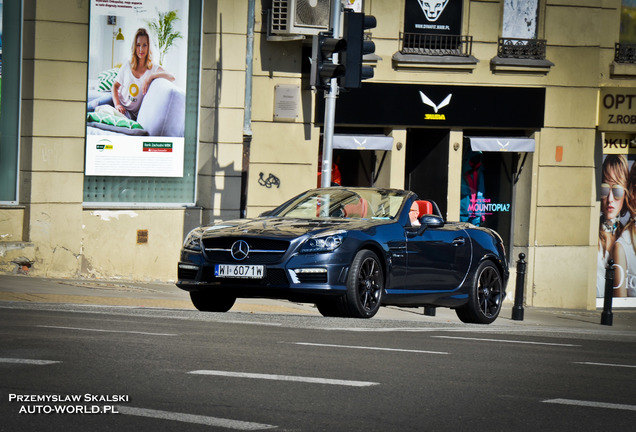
<point x="325" y="242"/>
<point x="193" y="240"/>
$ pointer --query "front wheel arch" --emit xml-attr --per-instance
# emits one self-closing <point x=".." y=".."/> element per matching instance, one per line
<point x="485" y="297"/>
<point x="365" y="285"/>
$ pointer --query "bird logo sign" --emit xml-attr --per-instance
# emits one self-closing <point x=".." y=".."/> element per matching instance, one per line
<point x="436" y="107"/>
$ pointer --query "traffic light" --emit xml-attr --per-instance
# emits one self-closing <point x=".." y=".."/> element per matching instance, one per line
<point x="355" y="25"/>
<point x="323" y="69"/>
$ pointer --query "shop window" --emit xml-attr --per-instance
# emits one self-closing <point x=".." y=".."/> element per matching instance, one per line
<point x="10" y="73"/>
<point x="360" y="157"/>
<point x="488" y="176"/>
<point x="148" y="155"/>
<point x="426" y="166"/>
<point x="433" y="34"/>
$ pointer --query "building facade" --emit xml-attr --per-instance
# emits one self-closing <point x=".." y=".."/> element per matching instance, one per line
<point x="501" y="111"/>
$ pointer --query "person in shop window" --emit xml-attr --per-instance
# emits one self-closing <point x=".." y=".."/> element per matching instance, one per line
<point x="624" y="247"/>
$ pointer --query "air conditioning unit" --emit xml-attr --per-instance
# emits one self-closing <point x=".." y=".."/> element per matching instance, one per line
<point x="299" y="17"/>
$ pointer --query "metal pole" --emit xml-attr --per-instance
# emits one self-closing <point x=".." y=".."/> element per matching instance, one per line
<point x="607" y="317"/>
<point x="247" y="119"/>
<point x="330" y="102"/>
<point x="517" y="310"/>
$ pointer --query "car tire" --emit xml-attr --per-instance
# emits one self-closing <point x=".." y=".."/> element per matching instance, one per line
<point x="211" y="302"/>
<point x="365" y="286"/>
<point x="485" y="297"/>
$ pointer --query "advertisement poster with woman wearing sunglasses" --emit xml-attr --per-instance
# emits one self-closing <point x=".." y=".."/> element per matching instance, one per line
<point x="617" y="227"/>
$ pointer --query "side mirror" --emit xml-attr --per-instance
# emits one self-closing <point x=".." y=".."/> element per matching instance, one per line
<point x="432" y="221"/>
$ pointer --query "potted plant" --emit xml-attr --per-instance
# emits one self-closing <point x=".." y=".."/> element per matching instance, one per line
<point x="164" y="33"/>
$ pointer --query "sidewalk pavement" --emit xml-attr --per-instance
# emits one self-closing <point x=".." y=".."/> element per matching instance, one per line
<point x="18" y="288"/>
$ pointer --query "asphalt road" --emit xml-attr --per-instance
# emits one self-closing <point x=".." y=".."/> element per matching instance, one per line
<point x="162" y="369"/>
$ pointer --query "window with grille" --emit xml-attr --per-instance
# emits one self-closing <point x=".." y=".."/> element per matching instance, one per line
<point x="625" y="49"/>
<point x="519" y="35"/>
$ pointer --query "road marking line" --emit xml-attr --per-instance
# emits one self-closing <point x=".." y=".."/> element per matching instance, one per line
<point x="606" y="364"/>
<point x="192" y="418"/>
<point x="592" y="404"/>
<point x="383" y="329"/>
<point x="285" y="378"/>
<point x="108" y="331"/>
<point x="506" y="341"/>
<point x="28" y="361"/>
<point x="370" y="348"/>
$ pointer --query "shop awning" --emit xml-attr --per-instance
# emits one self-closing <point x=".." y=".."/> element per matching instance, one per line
<point x="362" y="142"/>
<point x="502" y="144"/>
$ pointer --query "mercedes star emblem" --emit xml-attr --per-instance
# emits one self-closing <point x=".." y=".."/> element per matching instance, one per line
<point x="240" y="250"/>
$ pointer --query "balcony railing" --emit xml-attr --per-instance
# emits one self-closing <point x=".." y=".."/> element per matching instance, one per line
<point x="521" y="48"/>
<point x="625" y="53"/>
<point x="436" y="45"/>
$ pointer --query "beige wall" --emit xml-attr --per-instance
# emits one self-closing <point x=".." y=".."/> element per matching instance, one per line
<point x="51" y="158"/>
<point x="110" y="247"/>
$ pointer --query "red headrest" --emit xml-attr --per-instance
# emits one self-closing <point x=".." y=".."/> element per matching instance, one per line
<point x="425" y="207"/>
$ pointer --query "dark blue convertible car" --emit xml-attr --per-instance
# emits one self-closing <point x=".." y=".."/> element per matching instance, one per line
<point x="349" y="251"/>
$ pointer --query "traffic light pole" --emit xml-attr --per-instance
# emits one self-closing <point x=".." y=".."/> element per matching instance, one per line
<point x="330" y="102"/>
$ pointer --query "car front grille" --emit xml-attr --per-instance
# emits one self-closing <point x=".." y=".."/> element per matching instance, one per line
<point x="262" y="251"/>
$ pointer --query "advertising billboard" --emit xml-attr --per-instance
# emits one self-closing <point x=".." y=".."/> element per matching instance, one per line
<point x="137" y="70"/>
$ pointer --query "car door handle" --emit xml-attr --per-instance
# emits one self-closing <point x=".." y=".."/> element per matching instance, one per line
<point x="459" y="241"/>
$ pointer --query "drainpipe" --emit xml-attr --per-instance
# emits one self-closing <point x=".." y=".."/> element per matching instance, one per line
<point x="247" y="120"/>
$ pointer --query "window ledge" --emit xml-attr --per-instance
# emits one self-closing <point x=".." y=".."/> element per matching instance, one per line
<point x="430" y="62"/>
<point x="516" y="65"/>
<point x="625" y="70"/>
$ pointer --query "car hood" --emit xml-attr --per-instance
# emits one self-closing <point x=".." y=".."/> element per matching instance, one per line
<point x="285" y="228"/>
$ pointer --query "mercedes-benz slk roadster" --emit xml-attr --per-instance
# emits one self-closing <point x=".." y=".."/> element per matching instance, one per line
<point x="349" y="251"/>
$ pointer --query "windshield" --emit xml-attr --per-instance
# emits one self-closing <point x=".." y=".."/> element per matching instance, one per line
<point x="354" y="203"/>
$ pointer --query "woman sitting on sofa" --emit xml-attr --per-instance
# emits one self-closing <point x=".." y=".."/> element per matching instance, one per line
<point x="134" y="78"/>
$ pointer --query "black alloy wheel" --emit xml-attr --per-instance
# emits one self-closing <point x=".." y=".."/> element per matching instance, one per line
<point x="485" y="297"/>
<point x="211" y="302"/>
<point x="365" y="285"/>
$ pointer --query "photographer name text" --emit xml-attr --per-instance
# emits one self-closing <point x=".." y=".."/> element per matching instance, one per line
<point x="86" y="403"/>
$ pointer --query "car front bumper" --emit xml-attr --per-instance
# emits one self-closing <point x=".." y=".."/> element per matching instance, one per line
<point x="302" y="275"/>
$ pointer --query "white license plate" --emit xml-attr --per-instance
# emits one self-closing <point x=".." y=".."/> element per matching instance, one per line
<point x="239" y="271"/>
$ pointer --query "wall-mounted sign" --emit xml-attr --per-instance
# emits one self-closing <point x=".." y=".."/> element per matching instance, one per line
<point x="415" y="105"/>
<point x="286" y="102"/>
<point x="617" y="109"/>
<point x="135" y="118"/>
<point x="615" y="143"/>
<point x="433" y="17"/>
<point x="354" y="5"/>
